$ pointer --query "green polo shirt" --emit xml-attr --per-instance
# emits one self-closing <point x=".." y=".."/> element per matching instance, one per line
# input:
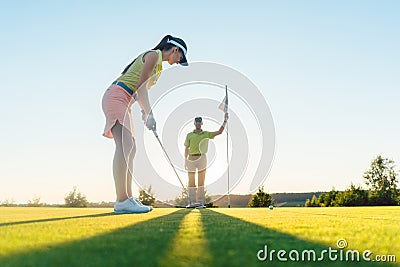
<point x="198" y="142"/>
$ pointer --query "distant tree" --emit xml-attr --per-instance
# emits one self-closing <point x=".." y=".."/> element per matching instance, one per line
<point x="35" y="202"/>
<point x="338" y="201"/>
<point x="328" y="199"/>
<point x="314" y="202"/>
<point x="8" y="202"/>
<point x="147" y="196"/>
<point x="75" y="199"/>
<point x="208" y="200"/>
<point x="381" y="180"/>
<point x="355" y="196"/>
<point x="210" y="205"/>
<point x="292" y="198"/>
<point x="261" y="199"/>
<point x="181" y="200"/>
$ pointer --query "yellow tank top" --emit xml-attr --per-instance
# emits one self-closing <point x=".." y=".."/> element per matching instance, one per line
<point x="132" y="75"/>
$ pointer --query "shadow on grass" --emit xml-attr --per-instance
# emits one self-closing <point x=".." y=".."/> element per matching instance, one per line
<point x="234" y="242"/>
<point x="141" y="244"/>
<point x="59" y="219"/>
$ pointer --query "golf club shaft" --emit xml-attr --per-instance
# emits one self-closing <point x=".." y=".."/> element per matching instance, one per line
<point x="172" y="165"/>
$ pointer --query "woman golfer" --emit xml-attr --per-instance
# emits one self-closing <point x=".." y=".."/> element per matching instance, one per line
<point x="128" y="88"/>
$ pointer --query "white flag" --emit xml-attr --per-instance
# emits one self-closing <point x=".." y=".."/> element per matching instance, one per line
<point x="224" y="105"/>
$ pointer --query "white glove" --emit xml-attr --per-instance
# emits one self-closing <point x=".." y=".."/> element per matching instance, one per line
<point x="151" y="122"/>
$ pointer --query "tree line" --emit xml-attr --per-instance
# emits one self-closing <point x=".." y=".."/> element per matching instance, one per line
<point x="380" y="180"/>
<point x="381" y="189"/>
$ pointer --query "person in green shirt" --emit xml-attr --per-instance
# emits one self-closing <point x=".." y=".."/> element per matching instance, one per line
<point x="196" y="147"/>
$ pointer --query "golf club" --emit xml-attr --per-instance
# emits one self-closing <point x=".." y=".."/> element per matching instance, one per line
<point x="172" y="165"/>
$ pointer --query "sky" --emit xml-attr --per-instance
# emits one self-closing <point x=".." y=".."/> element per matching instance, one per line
<point x="329" y="71"/>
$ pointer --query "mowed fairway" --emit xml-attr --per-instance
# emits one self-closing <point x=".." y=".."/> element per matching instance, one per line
<point x="183" y="237"/>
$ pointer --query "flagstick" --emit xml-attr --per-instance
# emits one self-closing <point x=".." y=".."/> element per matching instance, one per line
<point x="227" y="148"/>
<point x="227" y="160"/>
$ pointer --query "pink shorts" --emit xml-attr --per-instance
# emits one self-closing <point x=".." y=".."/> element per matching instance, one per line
<point x="116" y="106"/>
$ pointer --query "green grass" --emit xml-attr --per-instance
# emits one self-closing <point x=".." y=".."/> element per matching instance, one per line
<point x="181" y="237"/>
<point x="293" y="204"/>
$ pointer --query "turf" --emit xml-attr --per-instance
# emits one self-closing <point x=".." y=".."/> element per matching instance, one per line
<point x="186" y="237"/>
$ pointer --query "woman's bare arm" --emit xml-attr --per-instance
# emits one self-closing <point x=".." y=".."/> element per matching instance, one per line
<point x="150" y="61"/>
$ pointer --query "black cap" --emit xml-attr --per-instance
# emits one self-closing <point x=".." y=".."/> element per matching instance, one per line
<point x="182" y="45"/>
<point x="198" y="119"/>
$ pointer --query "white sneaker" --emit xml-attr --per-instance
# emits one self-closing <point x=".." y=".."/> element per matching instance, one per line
<point x="129" y="206"/>
<point x="140" y="203"/>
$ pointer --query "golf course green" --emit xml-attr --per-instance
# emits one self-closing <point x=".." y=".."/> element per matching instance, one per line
<point x="190" y="237"/>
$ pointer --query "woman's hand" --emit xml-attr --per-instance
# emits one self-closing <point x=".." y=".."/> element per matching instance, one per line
<point x="149" y="120"/>
<point x="150" y="62"/>
<point x="143" y="115"/>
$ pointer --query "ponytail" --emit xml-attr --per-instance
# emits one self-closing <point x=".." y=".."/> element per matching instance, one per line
<point x="163" y="46"/>
<point x="127" y="67"/>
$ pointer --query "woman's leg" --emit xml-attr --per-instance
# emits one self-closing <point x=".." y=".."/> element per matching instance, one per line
<point x="124" y="152"/>
<point x="130" y="169"/>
